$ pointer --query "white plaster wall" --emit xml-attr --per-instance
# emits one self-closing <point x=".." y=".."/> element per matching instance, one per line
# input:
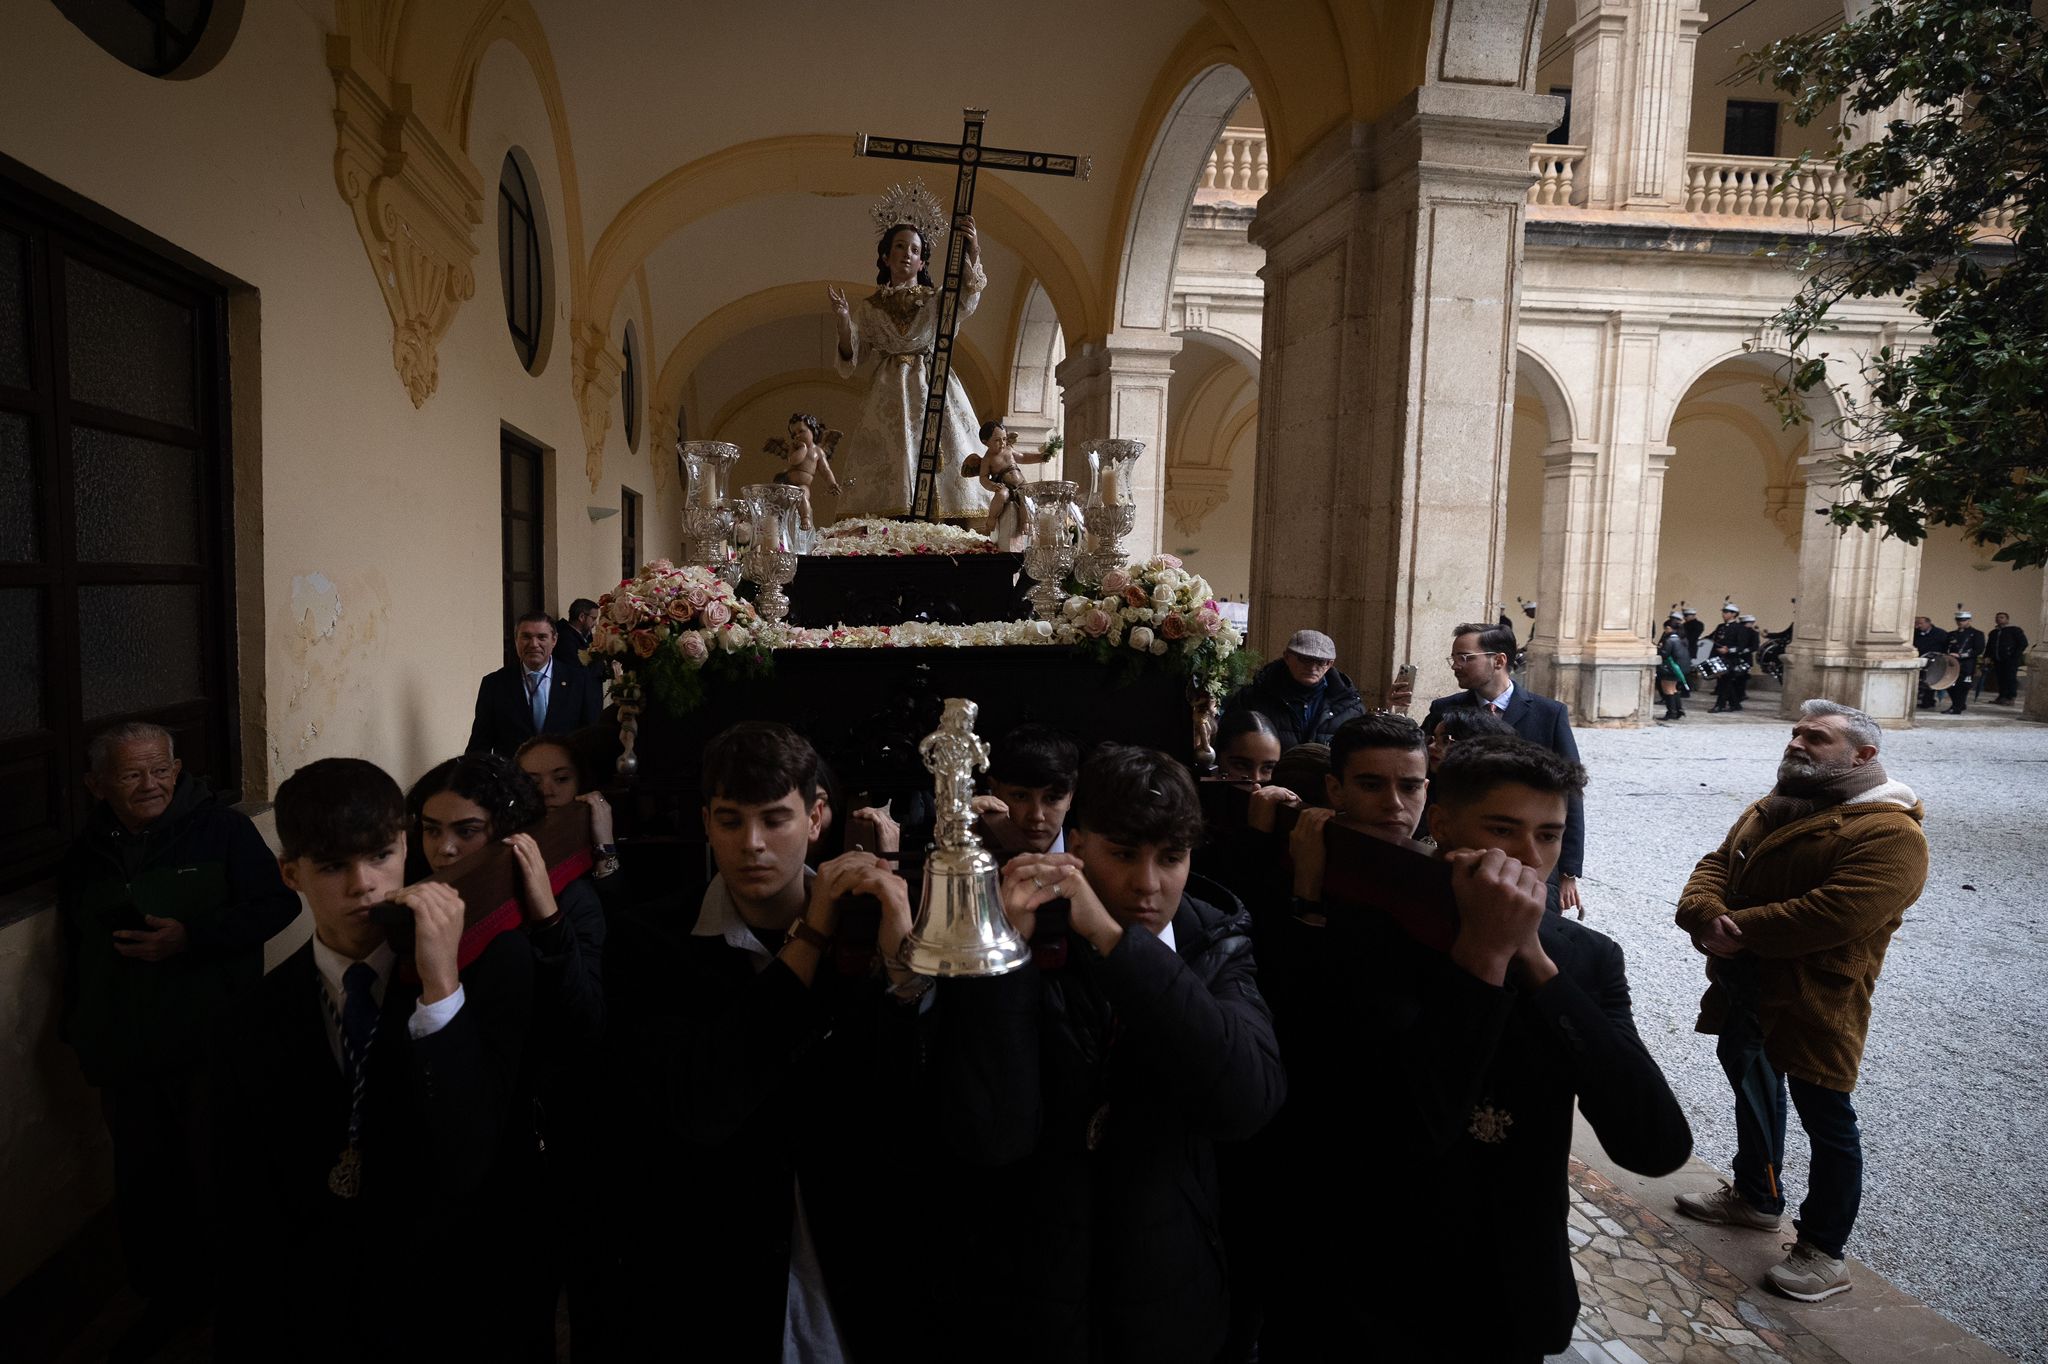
<point x="1717" y="542"/>
<point x="379" y="557"/>
<point x="1953" y="570"/>
<point x="1524" y="547"/>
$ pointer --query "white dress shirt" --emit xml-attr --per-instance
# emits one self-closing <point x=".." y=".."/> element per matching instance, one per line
<point x="427" y="1019"/>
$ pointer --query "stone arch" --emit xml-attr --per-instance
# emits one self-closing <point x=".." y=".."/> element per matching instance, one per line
<point x="1163" y="188"/>
<point x="815" y="163"/>
<point x="1823" y="407"/>
<point x="1037" y="345"/>
<point x="1537" y="375"/>
<point x="1230" y="344"/>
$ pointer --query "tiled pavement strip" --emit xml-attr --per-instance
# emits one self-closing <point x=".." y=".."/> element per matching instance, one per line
<point x="1658" y="1288"/>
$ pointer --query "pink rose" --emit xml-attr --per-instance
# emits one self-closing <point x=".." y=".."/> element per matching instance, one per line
<point x="644" y="643"/>
<point x="1136" y="595"/>
<point x="680" y="610"/>
<point x="620" y="611"/>
<point x="1095" y="622"/>
<point x="691" y="646"/>
<point x="1115" y="581"/>
<point x="717" y="614"/>
<point x="1173" y="627"/>
<point x="1208" y="621"/>
<point x="659" y="566"/>
<point x="697" y="596"/>
<point x="1168" y="560"/>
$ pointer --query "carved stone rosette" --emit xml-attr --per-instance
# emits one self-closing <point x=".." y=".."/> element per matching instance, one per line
<point x="416" y="200"/>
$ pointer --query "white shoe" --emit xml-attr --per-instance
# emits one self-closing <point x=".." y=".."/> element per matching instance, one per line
<point x="1808" y="1274"/>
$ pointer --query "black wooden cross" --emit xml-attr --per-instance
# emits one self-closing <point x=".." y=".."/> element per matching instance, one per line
<point x="969" y="156"/>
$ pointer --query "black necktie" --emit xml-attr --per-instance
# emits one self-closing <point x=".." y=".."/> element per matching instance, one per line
<point x="358" y="1014"/>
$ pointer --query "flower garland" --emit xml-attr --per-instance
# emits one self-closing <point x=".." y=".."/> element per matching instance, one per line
<point x="864" y="535"/>
<point x="667" y="625"/>
<point x="1157" y="609"/>
<point x="670" y="626"/>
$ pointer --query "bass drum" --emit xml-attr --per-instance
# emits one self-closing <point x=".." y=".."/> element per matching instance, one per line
<point x="1938" y="672"/>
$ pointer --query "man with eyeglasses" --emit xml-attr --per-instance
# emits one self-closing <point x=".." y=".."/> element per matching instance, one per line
<point x="165" y="901"/>
<point x="1481" y="656"/>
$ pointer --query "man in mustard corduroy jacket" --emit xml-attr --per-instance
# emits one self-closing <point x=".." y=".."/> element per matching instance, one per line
<point x="1794" y="911"/>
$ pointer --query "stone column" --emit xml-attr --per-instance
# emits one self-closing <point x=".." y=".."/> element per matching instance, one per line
<point x="1393" y="261"/>
<point x="1117" y="387"/>
<point x="1853" y="642"/>
<point x="2037" y="664"/>
<point x="1632" y="66"/>
<point x="1603" y="507"/>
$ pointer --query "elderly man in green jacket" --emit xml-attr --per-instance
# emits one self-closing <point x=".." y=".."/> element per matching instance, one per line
<point x="1794" y="911"/>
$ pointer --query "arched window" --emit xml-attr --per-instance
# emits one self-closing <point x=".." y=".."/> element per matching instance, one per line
<point x="520" y="265"/>
<point x="178" y="39"/>
<point x="629" y="387"/>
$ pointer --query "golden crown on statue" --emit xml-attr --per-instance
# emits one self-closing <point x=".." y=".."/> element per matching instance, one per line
<point x="914" y="204"/>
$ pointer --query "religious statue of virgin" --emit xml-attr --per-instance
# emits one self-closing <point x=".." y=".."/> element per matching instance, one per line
<point x="899" y="323"/>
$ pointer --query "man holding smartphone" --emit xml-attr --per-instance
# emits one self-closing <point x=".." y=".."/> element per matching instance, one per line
<point x="166" y="901"/>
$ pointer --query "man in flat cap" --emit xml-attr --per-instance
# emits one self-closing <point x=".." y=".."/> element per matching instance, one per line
<point x="1302" y="692"/>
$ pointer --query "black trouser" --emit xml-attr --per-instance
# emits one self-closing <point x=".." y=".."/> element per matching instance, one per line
<point x="1959" y="694"/>
<point x="2008" y="678"/>
<point x="160" y="1179"/>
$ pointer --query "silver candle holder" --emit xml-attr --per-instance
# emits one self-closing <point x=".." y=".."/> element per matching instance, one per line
<point x="707" y="512"/>
<point x="1049" y="556"/>
<point x="772" y="546"/>
<point x="1111" y="510"/>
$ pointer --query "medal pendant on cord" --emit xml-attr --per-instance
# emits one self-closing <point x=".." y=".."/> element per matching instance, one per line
<point x="345" y="1180"/>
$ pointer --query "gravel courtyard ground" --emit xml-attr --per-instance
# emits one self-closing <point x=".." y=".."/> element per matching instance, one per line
<point x="1954" y="1093"/>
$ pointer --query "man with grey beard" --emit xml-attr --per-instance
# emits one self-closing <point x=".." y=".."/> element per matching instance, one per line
<point x="1793" y="913"/>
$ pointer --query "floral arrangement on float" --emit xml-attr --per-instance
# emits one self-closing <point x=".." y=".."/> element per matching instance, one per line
<point x="864" y="535"/>
<point x="668" y="630"/>
<point x="1159" y="610"/>
<point x="665" y="629"/>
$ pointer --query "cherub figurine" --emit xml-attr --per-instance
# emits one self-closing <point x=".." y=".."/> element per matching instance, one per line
<point x="805" y="455"/>
<point x="999" y="473"/>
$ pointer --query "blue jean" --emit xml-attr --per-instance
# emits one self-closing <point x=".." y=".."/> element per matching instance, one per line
<point x="1834" y="1181"/>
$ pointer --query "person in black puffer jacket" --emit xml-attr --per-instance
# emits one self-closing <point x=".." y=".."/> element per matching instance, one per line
<point x="1154" y="1045"/>
<point x="1301" y="692"/>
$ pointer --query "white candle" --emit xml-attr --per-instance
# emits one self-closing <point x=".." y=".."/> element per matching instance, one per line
<point x="707" y="487"/>
<point x="1112" y="485"/>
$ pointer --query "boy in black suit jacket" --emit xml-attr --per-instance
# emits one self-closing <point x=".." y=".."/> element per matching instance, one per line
<point x="370" y="1122"/>
<point x="1431" y="1170"/>
<point x="1480" y="659"/>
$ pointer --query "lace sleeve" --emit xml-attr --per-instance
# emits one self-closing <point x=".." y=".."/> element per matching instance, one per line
<point x="973" y="279"/>
<point x="857" y="314"/>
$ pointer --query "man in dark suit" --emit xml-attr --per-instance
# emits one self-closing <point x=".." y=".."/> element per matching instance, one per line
<point x="2005" y="648"/>
<point x="537" y="694"/>
<point x="1444" y="1104"/>
<point x="373" y="1136"/>
<point x="1966" y="642"/>
<point x="572" y="637"/>
<point x="1928" y="638"/>
<point x="1480" y="659"/>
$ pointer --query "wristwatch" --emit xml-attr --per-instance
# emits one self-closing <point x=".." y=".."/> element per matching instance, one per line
<point x="802" y="931"/>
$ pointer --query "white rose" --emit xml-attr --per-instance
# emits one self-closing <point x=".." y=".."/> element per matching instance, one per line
<point x="1162" y="594"/>
<point x="1076" y="605"/>
<point x="1157" y="646"/>
<point x="1043" y="628"/>
<point x="1141" y="637"/>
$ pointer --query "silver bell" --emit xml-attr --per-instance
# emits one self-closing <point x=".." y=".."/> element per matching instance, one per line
<point x="961" y="929"/>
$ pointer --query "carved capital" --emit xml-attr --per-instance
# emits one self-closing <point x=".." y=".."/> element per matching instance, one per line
<point x="416" y="200"/>
<point x="594" y="369"/>
<point x="1783" y="504"/>
<point x="661" y="449"/>
<point x="1192" y="492"/>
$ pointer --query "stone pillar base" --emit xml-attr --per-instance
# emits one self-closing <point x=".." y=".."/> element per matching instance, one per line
<point x="1611" y="691"/>
<point x="2036" y="700"/>
<point x="1885" y="689"/>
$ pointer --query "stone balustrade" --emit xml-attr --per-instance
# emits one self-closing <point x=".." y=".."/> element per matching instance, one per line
<point x="1237" y="163"/>
<point x="1764" y="187"/>
<point x="1555" y="170"/>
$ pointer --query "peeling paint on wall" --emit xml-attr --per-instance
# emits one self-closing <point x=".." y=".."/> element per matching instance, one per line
<point x="316" y="605"/>
<point x="334" y="642"/>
